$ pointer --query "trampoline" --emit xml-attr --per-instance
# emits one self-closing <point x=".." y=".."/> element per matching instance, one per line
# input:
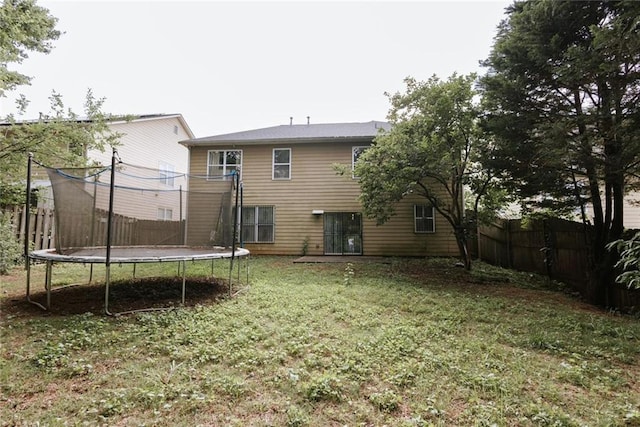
<point x="101" y="222"/>
<point x="128" y="255"/>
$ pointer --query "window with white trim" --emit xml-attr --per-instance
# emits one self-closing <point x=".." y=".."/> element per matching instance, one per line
<point x="258" y="224"/>
<point x="167" y="173"/>
<point x="165" y="214"/>
<point x="424" y="219"/>
<point x="281" y="163"/>
<point x="355" y="154"/>
<point x="223" y="163"/>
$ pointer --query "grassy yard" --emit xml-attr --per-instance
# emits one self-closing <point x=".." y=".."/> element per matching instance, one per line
<point x="406" y="343"/>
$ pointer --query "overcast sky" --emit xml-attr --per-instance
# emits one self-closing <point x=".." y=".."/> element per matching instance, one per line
<point x="234" y="66"/>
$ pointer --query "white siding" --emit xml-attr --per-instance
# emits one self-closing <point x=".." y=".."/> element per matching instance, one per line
<point x="632" y="210"/>
<point x="148" y="142"/>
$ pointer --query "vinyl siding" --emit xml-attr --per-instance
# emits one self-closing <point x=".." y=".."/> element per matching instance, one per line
<point x="632" y="210"/>
<point x="631" y="206"/>
<point x="148" y="142"/>
<point x="314" y="184"/>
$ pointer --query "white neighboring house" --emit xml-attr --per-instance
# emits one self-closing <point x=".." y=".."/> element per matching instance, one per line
<point x="631" y="215"/>
<point x="150" y="141"/>
<point x="632" y="210"/>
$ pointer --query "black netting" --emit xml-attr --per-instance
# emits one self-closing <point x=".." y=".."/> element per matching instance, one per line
<point x="151" y="207"/>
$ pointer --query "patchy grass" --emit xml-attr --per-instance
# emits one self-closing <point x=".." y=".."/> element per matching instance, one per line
<point x="410" y="343"/>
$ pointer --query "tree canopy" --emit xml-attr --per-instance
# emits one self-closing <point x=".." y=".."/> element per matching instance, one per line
<point x="431" y="150"/>
<point x="24" y="27"/>
<point x="58" y="137"/>
<point x="562" y="99"/>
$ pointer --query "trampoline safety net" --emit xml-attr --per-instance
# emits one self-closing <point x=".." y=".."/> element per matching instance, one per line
<point x="149" y="207"/>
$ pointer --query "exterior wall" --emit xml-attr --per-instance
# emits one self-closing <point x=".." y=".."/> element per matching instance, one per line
<point x="631" y="216"/>
<point x="148" y="142"/>
<point x="632" y="210"/>
<point x="314" y="185"/>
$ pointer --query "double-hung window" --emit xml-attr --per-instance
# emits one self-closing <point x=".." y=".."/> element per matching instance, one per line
<point x="424" y="219"/>
<point x="355" y="154"/>
<point x="258" y="224"/>
<point x="167" y="173"/>
<point x="281" y="163"/>
<point x="223" y="163"/>
<point x="165" y="214"/>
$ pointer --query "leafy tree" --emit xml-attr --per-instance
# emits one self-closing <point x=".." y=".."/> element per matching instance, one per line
<point x="562" y="95"/>
<point x="629" y="261"/>
<point x="432" y="150"/>
<point x="60" y="137"/>
<point x="24" y="27"/>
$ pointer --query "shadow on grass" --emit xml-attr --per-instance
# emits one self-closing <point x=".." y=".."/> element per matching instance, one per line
<point x="124" y="295"/>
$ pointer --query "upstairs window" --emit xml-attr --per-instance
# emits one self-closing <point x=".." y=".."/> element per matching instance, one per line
<point x="355" y="154"/>
<point x="281" y="163"/>
<point x="424" y="219"/>
<point x="224" y="163"/>
<point x="258" y="224"/>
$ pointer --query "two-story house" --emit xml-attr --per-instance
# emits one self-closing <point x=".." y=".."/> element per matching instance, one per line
<point x="294" y="201"/>
<point x="150" y="141"/>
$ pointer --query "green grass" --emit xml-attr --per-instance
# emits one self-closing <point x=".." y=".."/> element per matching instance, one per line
<point x="410" y="343"/>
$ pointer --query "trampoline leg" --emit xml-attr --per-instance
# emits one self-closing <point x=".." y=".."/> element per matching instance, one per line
<point x="247" y="261"/>
<point x="47" y="285"/>
<point x="239" y="266"/>
<point x="29" y="287"/>
<point x="28" y="280"/>
<point x="184" y="280"/>
<point x="106" y="291"/>
<point x="231" y="277"/>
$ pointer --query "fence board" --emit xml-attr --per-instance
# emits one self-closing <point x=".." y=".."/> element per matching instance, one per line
<point x="126" y="231"/>
<point x="554" y="247"/>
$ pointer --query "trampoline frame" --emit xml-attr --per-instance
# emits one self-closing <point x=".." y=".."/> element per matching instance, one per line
<point x="108" y="254"/>
<point x="50" y="256"/>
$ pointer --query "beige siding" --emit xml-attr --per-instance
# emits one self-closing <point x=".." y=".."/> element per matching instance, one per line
<point x="314" y="184"/>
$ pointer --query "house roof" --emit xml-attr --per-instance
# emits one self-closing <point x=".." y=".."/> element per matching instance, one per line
<point x="298" y="133"/>
<point x="115" y="119"/>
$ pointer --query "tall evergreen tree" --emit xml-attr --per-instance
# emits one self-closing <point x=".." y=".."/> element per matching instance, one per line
<point x="562" y="95"/>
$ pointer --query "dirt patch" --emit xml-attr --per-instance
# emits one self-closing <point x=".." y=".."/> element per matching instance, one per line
<point x="126" y="295"/>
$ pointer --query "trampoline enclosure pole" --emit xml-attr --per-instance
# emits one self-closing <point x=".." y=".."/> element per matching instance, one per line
<point x="107" y="262"/>
<point x="235" y="230"/>
<point x="27" y="208"/>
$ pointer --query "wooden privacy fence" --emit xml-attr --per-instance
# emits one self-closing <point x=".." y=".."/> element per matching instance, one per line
<point x="557" y="248"/>
<point x="127" y="231"/>
<point x="41" y="230"/>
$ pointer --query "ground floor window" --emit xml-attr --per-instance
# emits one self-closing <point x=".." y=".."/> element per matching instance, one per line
<point x="424" y="219"/>
<point x="258" y="224"/>
<point x="165" y="214"/>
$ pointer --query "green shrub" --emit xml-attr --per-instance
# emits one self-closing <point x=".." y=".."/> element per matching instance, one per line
<point x="10" y="251"/>
<point x="629" y="261"/>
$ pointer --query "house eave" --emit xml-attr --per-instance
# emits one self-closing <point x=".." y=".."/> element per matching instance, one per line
<point x="275" y="141"/>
